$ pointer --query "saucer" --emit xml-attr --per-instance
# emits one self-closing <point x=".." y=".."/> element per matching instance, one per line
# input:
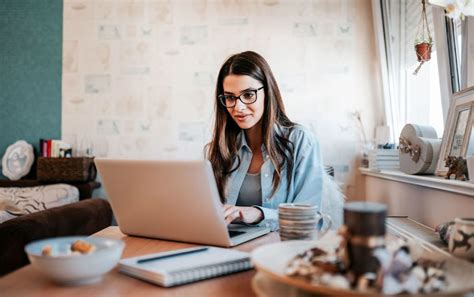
<point x="272" y="260"/>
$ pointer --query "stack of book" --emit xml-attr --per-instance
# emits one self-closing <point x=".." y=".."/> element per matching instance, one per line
<point x="52" y="148"/>
<point x="383" y="159"/>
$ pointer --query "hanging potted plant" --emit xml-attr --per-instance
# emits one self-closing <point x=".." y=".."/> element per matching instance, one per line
<point x="423" y="49"/>
<point x="423" y="40"/>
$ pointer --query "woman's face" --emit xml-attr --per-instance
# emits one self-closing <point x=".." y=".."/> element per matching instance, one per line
<point x="245" y="115"/>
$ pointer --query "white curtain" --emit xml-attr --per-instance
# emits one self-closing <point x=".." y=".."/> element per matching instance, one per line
<point x="388" y="18"/>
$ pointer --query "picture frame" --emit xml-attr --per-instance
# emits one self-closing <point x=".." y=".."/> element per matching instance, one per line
<point x="17" y="160"/>
<point x="458" y="129"/>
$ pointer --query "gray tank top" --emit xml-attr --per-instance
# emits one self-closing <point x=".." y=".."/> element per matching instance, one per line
<point x="251" y="191"/>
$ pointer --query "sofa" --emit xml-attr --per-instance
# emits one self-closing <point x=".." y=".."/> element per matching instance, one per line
<point x="84" y="217"/>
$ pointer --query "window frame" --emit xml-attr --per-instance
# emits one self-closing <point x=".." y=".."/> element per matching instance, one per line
<point x="446" y="78"/>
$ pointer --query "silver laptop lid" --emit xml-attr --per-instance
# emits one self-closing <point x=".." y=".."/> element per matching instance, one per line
<point x="173" y="200"/>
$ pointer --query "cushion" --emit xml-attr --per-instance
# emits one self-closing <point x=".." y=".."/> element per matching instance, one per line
<point x="19" y="201"/>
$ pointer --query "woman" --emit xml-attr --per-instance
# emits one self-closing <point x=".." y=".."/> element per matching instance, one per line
<point x="259" y="156"/>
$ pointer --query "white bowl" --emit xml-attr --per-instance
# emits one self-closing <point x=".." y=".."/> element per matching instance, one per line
<point x="73" y="269"/>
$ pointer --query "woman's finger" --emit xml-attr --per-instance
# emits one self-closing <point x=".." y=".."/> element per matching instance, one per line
<point x="232" y="216"/>
<point x="228" y="211"/>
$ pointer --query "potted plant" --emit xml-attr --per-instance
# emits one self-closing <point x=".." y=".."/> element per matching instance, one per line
<point x="423" y="49"/>
<point x="423" y="40"/>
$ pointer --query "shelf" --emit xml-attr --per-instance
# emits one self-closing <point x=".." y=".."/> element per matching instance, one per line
<point x="429" y="181"/>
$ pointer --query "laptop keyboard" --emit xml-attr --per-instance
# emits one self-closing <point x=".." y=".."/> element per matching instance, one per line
<point x="234" y="233"/>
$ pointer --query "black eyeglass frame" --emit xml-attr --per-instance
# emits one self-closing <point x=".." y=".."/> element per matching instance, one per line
<point x="222" y="98"/>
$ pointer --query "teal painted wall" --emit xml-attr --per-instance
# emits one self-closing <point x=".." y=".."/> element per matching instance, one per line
<point x="30" y="70"/>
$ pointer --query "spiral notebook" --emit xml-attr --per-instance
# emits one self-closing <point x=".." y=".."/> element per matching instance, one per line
<point x="185" y="265"/>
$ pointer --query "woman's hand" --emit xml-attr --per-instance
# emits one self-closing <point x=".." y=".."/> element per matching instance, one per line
<point x="243" y="214"/>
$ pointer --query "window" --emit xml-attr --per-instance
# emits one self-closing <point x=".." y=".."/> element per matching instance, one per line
<point x="422" y="92"/>
<point x="410" y="98"/>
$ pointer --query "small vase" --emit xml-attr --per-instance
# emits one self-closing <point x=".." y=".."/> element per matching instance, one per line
<point x="461" y="240"/>
<point x="366" y="148"/>
<point x="423" y="51"/>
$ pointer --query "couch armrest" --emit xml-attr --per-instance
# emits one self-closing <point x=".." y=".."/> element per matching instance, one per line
<point x="85" y="188"/>
<point x="81" y="218"/>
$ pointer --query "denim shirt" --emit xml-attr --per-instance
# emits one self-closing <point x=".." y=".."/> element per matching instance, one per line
<point x="307" y="175"/>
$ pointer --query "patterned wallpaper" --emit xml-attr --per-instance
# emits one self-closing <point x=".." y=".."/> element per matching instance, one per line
<point x="139" y="75"/>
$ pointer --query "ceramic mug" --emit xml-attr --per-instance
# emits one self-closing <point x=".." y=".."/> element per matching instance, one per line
<point x="470" y="168"/>
<point x="299" y="221"/>
<point x="461" y="240"/>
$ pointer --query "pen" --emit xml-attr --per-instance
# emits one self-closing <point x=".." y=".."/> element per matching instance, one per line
<point x="173" y="255"/>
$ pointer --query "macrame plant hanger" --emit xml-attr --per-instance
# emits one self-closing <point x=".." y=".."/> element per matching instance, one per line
<point x="423" y="40"/>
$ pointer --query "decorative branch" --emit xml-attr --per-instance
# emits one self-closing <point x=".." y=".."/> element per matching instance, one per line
<point x="357" y="115"/>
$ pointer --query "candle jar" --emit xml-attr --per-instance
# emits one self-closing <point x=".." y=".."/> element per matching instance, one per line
<point x="365" y="224"/>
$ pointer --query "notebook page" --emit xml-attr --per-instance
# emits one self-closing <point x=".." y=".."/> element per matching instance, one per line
<point x="211" y="256"/>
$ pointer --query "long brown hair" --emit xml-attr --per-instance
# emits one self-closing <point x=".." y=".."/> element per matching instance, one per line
<point x="222" y="151"/>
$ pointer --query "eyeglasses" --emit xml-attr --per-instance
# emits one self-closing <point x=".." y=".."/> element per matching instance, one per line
<point x="247" y="97"/>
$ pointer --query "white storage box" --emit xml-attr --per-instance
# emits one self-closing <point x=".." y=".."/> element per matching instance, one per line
<point x="419" y="149"/>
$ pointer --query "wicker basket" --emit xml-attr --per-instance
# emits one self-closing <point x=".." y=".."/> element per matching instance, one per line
<point x="66" y="169"/>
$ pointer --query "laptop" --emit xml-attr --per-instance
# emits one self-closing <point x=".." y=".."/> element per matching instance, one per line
<point x="170" y="200"/>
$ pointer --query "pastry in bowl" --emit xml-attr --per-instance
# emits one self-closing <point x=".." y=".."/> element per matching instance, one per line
<point x="75" y="260"/>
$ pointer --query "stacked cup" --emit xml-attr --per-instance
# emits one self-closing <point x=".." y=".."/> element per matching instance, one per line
<point x="300" y="221"/>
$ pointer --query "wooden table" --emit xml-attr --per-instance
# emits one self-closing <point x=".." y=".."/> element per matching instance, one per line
<point x="27" y="281"/>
